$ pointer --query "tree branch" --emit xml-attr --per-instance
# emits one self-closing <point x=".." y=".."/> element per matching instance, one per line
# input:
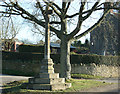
<point x="79" y="23"/>
<point x="71" y="16"/>
<point x="91" y="10"/>
<point x="41" y="8"/>
<point x="55" y="10"/>
<point x="30" y="17"/>
<point x="67" y="7"/>
<point x="9" y="13"/>
<point x="92" y="27"/>
<point x="101" y="8"/>
<point x="6" y="6"/>
<point x="63" y="7"/>
<point x="56" y="6"/>
<point x="55" y="22"/>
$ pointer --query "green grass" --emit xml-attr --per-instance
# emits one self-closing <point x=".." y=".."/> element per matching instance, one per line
<point x="77" y="85"/>
<point x="85" y="76"/>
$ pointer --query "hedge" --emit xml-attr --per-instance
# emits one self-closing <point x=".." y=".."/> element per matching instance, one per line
<point x="31" y="48"/>
<point x="27" y="56"/>
<point x="97" y="59"/>
<point x="21" y="56"/>
<point x="75" y="59"/>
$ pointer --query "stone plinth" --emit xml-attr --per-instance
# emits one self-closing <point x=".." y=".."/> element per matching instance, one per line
<point x="47" y="79"/>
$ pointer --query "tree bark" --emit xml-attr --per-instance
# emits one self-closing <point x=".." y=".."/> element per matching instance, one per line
<point x="65" y="66"/>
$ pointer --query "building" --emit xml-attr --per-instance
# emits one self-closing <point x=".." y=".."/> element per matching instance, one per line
<point x="55" y="48"/>
<point x="10" y="45"/>
<point x="105" y="39"/>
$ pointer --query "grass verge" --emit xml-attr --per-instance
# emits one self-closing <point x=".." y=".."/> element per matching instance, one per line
<point x="77" y="86"/>
<point x="85" y="76"/>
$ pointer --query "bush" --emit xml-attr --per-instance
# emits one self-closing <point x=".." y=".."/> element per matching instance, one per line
<point x="73" y="53"/>
<point x="97" y="59"/>
<point x="82" y="50"/>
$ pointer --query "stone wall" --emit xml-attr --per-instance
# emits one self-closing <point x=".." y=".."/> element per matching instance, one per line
<point x="34" y="68"/>
<point x="93" y="69"/>
<point x="26" y="67"/>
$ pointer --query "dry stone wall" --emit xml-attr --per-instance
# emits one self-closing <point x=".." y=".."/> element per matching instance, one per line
<point x="33" y="67"/>
<point x="93" y="69"/>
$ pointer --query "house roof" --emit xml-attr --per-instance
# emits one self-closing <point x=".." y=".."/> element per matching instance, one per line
<point x="56" y="45"/>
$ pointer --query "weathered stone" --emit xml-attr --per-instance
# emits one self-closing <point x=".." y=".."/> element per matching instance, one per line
<point x="46" y="86"/>
<point x="48" y="75"/>
<point x="47" y="66"/>
<point x="47" y="80"/>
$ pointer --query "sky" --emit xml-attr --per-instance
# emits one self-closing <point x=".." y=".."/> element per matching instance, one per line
<point x="25" y="32"/>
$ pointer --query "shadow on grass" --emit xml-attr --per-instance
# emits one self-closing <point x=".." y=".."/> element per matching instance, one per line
<point x="78" y="85"/>
<point x="10" y="90"/>
<point x="12" y="87"/>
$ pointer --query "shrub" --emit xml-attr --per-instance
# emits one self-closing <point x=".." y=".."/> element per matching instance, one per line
<point x="97" y="59"/>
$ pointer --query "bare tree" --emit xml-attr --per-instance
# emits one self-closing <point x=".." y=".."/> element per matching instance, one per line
<point x="59" y="25"/>
<point x="8" y="32"/>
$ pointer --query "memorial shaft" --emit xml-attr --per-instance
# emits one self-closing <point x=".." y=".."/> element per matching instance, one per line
<point x="47" y="35"/>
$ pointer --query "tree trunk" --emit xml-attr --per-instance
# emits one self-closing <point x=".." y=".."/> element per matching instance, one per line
<point x="65" y="66"/>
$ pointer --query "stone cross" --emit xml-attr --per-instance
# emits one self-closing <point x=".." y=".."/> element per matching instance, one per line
<point x="47" y="79"/>
<point x="47" y="63"/>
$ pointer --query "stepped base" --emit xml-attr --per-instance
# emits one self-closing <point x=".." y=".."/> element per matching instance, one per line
<point x="48" y="75"/>
<point x="47" y="79"/>
<point x="56" y="86"/>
